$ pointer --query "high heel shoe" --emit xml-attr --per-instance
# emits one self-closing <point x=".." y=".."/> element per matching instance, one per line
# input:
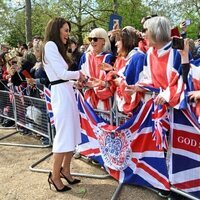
<point x="50" y="181"/>
<point x="75" y="181"/>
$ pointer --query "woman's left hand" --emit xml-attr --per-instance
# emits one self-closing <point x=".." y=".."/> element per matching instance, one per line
<point x="106" y="67"/>
<point x="159" y="100"/>
<point x="194" y="95"/>
<point x="94" y="82"/>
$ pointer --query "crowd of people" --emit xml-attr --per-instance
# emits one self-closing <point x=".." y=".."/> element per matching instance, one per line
<point x="112" y="69"/>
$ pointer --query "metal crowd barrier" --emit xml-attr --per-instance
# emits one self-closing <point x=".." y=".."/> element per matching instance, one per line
<point x="6" y="106"/>
<point x="103" y="114"/>
<point x="122" y="118"/>
<point x="27" y="113"/>
<point x="31" y="113"/>
<point x="118" y="119"/>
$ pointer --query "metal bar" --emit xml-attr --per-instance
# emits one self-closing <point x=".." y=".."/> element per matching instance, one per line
<point x="32" y="168"/>
<point x="1" y="127"/>
<point x="183" y="193"/>
<point x="24" y="145"/>
<point x="31" y="129"/>
<point x="6" y="136"/>
<point x="177" y="191"/>
<point x="38" y="162"/>
<point x="117" y="192"/>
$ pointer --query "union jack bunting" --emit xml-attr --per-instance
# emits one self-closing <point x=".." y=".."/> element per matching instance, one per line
<point x="161" y="126"/>
<point x="184" y="171"/>
<point x="128" y="152"/>
<point x="194" y="84"/>
<point x="98" y="97"/>
<point x="20" y="90"/>
<point x="47" y="96"/>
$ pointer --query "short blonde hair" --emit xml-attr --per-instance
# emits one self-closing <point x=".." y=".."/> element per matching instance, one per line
<point x="101" y="33"/>
<point x="159" y="28"/>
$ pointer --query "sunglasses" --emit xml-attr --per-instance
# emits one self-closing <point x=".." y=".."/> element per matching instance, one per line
<point x="144" y="30"/>
<point x="95" y="39"/>
<point x="13" y="62"/>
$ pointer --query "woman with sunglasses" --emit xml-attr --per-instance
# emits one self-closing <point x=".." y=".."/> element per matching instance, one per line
<point x="96" y="92"/>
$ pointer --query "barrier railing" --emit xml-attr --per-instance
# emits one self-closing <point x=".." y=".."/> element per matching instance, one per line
<point x="6" y="105"/>
<point x="27" y="113"/>
<point x="31" y="113"/>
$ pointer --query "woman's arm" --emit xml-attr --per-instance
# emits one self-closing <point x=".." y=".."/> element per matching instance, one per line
<point x="53" y="57"/>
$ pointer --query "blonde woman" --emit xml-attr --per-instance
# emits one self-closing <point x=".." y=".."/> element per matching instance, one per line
<point x="98" y="53"/>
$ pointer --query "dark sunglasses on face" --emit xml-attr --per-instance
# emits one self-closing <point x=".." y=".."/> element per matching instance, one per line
<point x="144" y="30"/>
<point x="13" y="62"/>
<point x="95" y="39"/>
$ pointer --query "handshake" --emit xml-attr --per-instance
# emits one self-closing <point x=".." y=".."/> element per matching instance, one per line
<point x="81" y="81"/>
<point x="83" y="78"/>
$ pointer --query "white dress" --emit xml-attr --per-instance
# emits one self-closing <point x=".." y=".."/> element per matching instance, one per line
<point x="64" y="105"/>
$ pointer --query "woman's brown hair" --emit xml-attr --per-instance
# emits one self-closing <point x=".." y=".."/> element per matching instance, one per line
<point x="129" y="37"/>
<point x="52" y="33"/>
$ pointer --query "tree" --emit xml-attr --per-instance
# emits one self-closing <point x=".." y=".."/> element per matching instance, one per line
<point x="82" y="14"/>
<point x="12" y="24"/>
<point x="13" y="21"/>
<point x="28" y="26"/>
<point x="178" y="11"/>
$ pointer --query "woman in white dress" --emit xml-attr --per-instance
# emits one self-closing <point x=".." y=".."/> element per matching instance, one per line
<point x="64" y="106"/>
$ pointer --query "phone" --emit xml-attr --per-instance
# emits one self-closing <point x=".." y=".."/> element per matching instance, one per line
<point x="177" y="43"/>
<point x="187" y="22"/>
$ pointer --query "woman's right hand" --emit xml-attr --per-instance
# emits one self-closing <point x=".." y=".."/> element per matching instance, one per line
<point x="82" y="77"/>
<point x="31" y="81"/>
<point x="130" y="89"/>
<point x="13" y="70"/>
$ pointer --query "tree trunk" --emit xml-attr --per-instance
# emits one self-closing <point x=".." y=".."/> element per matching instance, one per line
<point x="115" y="6"/>
<point x="28" y="28"/>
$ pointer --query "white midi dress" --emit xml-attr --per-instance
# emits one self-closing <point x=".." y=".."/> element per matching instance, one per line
<point x="64" y="105"/>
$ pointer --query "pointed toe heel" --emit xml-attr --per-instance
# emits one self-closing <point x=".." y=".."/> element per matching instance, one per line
<point x="75" y="181"/>
<point x="50" y="181"/>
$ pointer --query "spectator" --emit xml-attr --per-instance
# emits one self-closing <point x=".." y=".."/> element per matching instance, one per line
<point x="82" y="49"/>
<point x="96" y="93"/>
<point x="75" y="53"/>
<point x="162" y="67"/>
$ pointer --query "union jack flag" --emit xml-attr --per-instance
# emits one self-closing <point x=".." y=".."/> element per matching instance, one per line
<point x="160" y="117"/>
<point x="184" y="171"/>
<point x="47" y="96"/>
<point x="193" y="83"/>
<point x="20" y="90"/>
<point x="98" y="97"/>
<point x="128" y="152"/>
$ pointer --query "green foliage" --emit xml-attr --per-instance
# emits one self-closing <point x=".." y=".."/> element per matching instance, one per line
<point x="178" y="11"/>
<point x="132" y="12"/>
<point x="85" y="15"/>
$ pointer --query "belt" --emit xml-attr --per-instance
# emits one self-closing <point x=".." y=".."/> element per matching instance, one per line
<point x="58" y="82"/>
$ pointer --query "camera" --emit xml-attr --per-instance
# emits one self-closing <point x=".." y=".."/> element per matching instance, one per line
<point x="178" y="43"/>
